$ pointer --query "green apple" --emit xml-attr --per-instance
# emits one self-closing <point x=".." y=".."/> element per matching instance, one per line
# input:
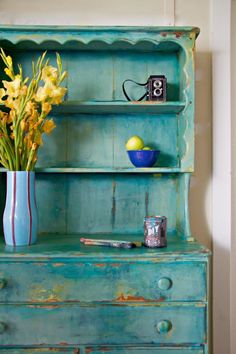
<point x="134" y="143"/>
<point x="147" y="148"/>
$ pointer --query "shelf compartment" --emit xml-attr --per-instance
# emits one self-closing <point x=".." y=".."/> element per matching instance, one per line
<point x="119" y="107"/>
<point x="98" y="141"/>
<point x="108" y="203"/>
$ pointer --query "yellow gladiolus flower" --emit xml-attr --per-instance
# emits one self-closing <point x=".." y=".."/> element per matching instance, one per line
<point x="41" y="95"/>
<point x="46" y="107"/>
<point x="49" y="73"/>
<point x="55" y="93"/>
<point x="52" y="92"/>
<point x="5" y="118"/>
<point x="58" y="94"/>
<point x="12" y="87"/>
<point x="48" y="126"/>
<point x="28" y="104"/>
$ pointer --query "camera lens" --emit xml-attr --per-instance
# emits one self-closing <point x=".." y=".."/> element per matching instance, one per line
<point x="157" y="83"/>
<point x="157" y="92"/>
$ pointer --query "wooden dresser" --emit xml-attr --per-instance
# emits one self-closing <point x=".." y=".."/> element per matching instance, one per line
<point x="59" y="296"/>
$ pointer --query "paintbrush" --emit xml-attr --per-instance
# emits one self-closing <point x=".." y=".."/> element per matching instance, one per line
<point x="109" y="243"/>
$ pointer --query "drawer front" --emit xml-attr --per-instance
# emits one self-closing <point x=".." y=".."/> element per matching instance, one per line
<point x="39" y="350"/>
<point x="139" y="350"/>
<point x="98" y="324"/>
<point x="56" y="282"/>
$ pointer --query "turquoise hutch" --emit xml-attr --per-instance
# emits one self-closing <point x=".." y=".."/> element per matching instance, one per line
<point x="64" y="297"/>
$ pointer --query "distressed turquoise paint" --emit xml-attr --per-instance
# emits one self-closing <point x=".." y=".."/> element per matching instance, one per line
<point x="99" y="280"/>
<point x="183" y="223"/>
<point x="99" y="141"/>
<point x="118" y="107"/>
<point x="134" y="196"/>
<point x="59" y="293"/>
<point x="67" y="247"/>
<point x="98" y="324"/>
<point x="107" y="350"/>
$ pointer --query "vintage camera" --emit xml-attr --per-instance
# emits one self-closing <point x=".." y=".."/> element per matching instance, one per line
<point x="155" y="88"/>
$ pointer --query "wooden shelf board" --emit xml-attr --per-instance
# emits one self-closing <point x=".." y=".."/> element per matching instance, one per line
<point x="105" y="170"/>
<point x="69" y="246"/>
<point x="119" y="107"/>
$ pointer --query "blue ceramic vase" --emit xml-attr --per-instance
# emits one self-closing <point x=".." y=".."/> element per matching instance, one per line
<point x="20" y="219"/>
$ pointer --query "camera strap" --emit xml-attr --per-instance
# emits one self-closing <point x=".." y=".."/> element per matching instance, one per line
<point x="137" y="83"/>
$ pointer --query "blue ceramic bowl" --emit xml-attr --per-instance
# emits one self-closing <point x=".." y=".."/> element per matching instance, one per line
<point x="143" y="158"/>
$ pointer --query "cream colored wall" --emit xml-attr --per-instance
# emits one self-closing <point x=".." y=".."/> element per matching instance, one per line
<point x="233" y="240"/>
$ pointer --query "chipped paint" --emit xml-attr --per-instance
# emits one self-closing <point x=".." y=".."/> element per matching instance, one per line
<point x="39" y="293"/>
<point x="123" y="297"/>
<point x="132" y="298"/>
<point x="116" y="265"/>
<point x="178" y="34"/>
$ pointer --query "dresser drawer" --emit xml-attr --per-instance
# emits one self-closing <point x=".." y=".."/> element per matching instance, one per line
<point x="143" y="350"/>
<point x="70" y="281"/>
<point x="99" y="324"/>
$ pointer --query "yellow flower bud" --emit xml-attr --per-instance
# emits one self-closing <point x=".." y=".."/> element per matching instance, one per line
<point x="9" y="73"/>
<point x="9" y="60"/>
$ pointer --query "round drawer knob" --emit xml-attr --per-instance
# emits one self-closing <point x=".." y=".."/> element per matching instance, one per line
<point x="164" y="326"/>
<point x="2" y="327"/>
<point x="164" y="283"/>
<point x="3" y="283"/>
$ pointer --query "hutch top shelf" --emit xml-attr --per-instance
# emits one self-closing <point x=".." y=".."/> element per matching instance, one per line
<point x="98" y="60"/>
